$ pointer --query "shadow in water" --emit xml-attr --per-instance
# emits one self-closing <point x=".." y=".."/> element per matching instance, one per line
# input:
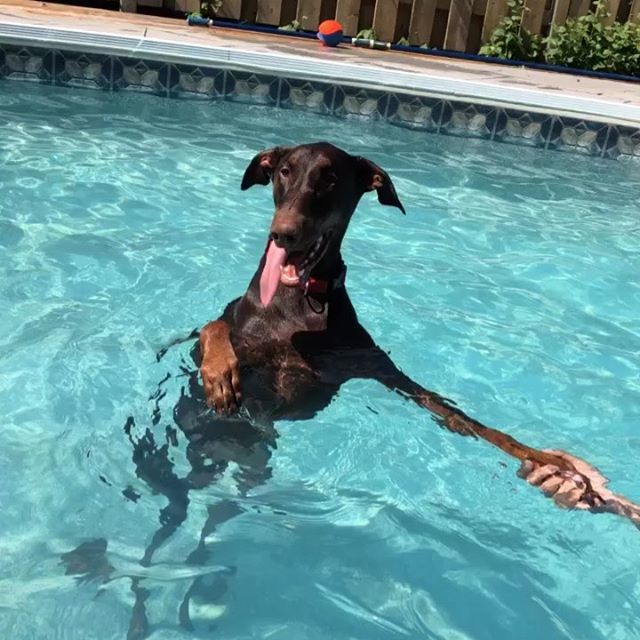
<point x="215" y="445"/>
<point x="240" y="448"/>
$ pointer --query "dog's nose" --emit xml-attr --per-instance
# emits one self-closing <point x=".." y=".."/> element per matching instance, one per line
<point x="284" y="237"/>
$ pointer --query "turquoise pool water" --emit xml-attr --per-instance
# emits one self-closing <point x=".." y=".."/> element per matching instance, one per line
<point x="511" y="287"/>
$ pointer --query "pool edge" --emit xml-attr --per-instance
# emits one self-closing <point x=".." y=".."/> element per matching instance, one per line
<point x="420" y="101"/>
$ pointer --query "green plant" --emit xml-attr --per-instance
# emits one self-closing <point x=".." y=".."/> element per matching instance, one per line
<point x="367" y="34"/>
<point x="624" y="48"/>
<point x="586" y="43"/>
<point x="209" y="8"/>
<point x="510" y="39"/>
<point x="295" y="25"/>
<point x="404" y="42"/>
<point x="582" y="43"/>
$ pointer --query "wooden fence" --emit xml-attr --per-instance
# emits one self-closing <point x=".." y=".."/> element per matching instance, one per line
<point x="458" y="25"/>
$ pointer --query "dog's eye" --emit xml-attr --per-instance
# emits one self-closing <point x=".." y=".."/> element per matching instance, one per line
<point x="327" y="182"/>
<point x="285" y="171"/>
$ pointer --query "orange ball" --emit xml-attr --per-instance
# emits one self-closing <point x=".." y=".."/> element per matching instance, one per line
<point x="330" y="33"/>
<point x="329" y="27"/>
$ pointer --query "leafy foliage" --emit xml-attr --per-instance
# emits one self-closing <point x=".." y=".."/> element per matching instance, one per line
<point x="209" y="8"/>
<point x="581" y="43"/>
<point x="510" y="39"/>
<point x="586" y="43"/>
<point x="295" y="25"/>
<point x="367" y="34"/>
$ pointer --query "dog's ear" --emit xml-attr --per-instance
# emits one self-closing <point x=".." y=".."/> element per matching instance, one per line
<point x="372" y="177"/>
<point x="260" y="169"/>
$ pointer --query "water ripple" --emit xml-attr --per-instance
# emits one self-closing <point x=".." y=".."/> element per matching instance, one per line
<point x="510" y="286"/>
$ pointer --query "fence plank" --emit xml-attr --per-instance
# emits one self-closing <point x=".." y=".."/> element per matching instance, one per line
<point x="249" y="10"/>
<point x="533" y="15"/>
<point x="328" y="9"/>
<point x="560" y="13"/>
<point x="457" y="32"/>
<point x="384" y="19"/>
<point x="308" y="14"/>
<point x="579" y="8"/>
<point x="403" y="19"/>
<point x="365" y="17"/>
<point x="269" y="12"/>
<point x="496" y="9"/>
<point x="612" y="8"/>
<point x="479" y="7"/>
<point x="634" y="15"/>
<point x="230" y="9"/>
<point x="421" y="25"/>
<point x="347" y="13"/>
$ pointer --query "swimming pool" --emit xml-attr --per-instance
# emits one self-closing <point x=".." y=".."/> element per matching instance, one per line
<point x="511" y="287"/>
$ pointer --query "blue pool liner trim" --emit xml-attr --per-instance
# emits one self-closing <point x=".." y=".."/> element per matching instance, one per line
<point x="121" y="63"/>
<point x="345" y="72"/>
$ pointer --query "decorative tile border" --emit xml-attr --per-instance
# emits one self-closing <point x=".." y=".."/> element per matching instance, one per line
<point x="75" y="69"/>
<point x="316" y="97"/>
<point x="367" y="103"/>
<point x="148" y="76"/>
<point x="196" y="82"/>
<point x="252" y="88"/>
<point x="26" y="63"/>
<point x="422" y="113"/>
<point x="578" y="136"/>
<point x="526" y="129"/>
<point x="469" y="120"/>
<point x="622" y="142"/>
<point x="415" y="112"/>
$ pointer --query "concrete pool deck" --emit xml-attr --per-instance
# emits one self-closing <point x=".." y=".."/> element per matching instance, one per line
<point x="149" y="37"/>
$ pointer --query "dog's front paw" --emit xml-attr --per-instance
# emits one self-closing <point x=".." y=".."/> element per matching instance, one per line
<point x="576" y="486"/>
<point x="221" y="382"/>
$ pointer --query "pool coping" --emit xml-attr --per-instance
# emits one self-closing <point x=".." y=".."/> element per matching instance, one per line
<point x="534" y="108"/>
<point x="308" y="68"/>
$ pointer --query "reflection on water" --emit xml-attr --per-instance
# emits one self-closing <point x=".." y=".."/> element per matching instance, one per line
<point x="510" y="286"/>
<point x="213" y="444"/>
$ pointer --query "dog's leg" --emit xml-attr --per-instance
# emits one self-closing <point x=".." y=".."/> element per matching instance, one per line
<point x="207" y="588"/>
<point x="246" y="447"/>
<point x="219" y="368"/>
<point x="569" y="480"/>
<point x="176" y="341"/>
<point x="139" y="623"/>
<point x="155" y="468"/>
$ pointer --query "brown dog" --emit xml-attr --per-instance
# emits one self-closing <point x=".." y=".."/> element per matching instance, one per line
<point x="291" y="341"/>
<point x="294" y="337"/>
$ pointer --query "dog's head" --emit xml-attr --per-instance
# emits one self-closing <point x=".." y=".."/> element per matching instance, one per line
<point x="316" y="188"/>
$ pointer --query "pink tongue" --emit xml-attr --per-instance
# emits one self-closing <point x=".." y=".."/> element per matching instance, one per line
<point x="270" y="276"/>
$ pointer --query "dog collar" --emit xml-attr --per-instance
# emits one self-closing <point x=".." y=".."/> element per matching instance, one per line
<point x="317" y="286"/>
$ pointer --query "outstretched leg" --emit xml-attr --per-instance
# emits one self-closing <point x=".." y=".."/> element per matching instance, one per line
<point x="570" y="481"/>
